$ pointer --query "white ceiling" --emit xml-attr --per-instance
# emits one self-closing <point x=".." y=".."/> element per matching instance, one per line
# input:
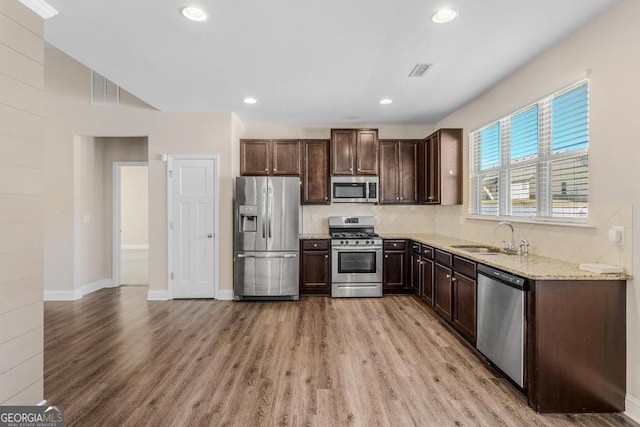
<point x="311" y="61"/>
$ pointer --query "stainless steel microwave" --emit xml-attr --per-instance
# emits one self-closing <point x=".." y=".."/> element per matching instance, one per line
<point x="354" y="189"/>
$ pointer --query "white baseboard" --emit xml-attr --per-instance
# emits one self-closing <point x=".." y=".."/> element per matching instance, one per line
<point x="155" y="295"/>
<point x="63" y="295"/>
<point x="224" y="294"/>
<point x="632" y="408"/>
<point x="77" y="294"/>
<point x="134" y="247"/>
<point x="97" y="285"/>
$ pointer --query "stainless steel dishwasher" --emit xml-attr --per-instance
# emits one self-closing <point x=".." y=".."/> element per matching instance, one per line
<point x="500" y="336"/>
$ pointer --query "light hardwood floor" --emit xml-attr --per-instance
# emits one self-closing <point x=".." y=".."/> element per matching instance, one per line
<point x="113" y="358"/>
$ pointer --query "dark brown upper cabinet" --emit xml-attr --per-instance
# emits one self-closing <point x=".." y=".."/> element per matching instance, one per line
<point x="354" y="151"/>
<point x="270" y="157"/>
<point x="440" y="182"/>
<point x="398" y="171"/>
<point x="315" y="172"/>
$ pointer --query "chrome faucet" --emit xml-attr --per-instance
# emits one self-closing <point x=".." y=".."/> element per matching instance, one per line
<point x="508" y="248"/>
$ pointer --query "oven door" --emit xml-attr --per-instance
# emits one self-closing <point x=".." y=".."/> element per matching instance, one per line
<point x="363" y="265"/>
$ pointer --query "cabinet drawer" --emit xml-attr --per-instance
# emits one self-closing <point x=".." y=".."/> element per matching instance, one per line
<point x="315" y="245"/>
<point x="443" y="258"/>
<point x="427" y="252"/>
<point x="416" y="247"/>
<point x="463" y="266"/>
<point x="394" y="245"/>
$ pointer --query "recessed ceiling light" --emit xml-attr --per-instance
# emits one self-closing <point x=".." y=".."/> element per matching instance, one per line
<point x="385" y="101"/>
<point x="249" y="100"/>
<point x="444" y="15"/>
<point x="194" y="13"/>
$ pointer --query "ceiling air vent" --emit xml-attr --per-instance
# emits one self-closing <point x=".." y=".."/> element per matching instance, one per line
<point x="103" y="91"/>
<point x="419" y="70"/>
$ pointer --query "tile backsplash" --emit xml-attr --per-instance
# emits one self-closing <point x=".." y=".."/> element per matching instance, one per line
<point x="388" y="219"/>
<point x="567" y="243"/>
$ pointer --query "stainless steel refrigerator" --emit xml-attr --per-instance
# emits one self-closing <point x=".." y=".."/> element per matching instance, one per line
<point x="266" y="251"/>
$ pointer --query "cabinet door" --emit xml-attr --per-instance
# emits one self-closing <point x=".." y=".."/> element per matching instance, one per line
<point x="416" y="273"/>
<point x="464" y="306"/>
<point x="389" y="172"/>
<point x="393" y="271"/>
<point x="367" y="152"/>
<point x="442" y="295"/>
<point x="315" y="176"/>
<point x="450" y="184"/>
<point x="285" y="158"/>
<point x="432" y="169"/>
<point x="427" y="281"/>
<point x="343" y="147"/>
<point x="254" y="157"/>
<point x="408" y="171"/>
<point x="315" y="273"/>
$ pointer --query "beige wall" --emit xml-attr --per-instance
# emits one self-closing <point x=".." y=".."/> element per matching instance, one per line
<point x="69" y="114"/>
<point x="609" y="47"/>
<point x="134" y="212"/>
<point x="21" y="236"/>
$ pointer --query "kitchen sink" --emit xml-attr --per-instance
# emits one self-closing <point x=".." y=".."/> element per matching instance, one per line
<point x="480" y="249"/>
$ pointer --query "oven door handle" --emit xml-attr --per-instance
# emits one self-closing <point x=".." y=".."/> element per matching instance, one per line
<point x="362" y="249"/>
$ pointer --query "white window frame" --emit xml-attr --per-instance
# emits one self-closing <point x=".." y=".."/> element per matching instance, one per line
<point x="542" y="163"/>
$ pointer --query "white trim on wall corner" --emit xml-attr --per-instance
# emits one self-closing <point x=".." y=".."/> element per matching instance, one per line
<point x="77" y="293"/>
<point x="224" y="294"/>
<point x="632" y="408"/>
<point x="155" y="295"/>
<point x="63" y="295"/>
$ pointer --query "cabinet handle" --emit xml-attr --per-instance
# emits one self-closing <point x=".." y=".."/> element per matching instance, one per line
<point x="350" y="169"/>
<point x="453" y="279"/>
<point x="275" y="169"/>
<point x="448" y="276"/>
<point x="430" y="197"/>
<point x="386" y="256"/>
<point x="326" y="198"/>
<point x="315" y="245"/>
<point x="400" y="198"/>
<point x="266" y="170"/>
<point x="326" y="256"/>
<point x="359" y="169"/>
<point x="397" y="198"/>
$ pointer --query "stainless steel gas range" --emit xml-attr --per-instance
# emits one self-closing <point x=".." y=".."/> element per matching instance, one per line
<point x="356" y="257"/>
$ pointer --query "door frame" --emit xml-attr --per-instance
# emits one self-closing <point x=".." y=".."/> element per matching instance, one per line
<point x="215" y="211"/>
<point x="116" y="179"/>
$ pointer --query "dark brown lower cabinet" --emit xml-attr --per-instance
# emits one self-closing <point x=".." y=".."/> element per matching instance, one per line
<point x="315" y="267"/>
<point x="394" y="268"/>
<point x="576" y="346"/>
<point x="443" y="291"/>
<point x="464" y="306"/>
<point x="422" y="271"/>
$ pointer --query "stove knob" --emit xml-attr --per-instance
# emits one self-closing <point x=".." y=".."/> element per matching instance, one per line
<point x="342" y="242"/>
<point x="357" y="242"/>
<point x="368" y="242"/>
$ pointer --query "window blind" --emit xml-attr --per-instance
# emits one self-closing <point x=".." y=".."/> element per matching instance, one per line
<point x="534" y="162"/>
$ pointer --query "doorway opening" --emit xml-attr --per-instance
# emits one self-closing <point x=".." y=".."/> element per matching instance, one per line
<point x="130" y="224"/>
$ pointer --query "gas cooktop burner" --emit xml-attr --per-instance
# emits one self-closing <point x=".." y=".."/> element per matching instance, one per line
<point x="353" y="235"/>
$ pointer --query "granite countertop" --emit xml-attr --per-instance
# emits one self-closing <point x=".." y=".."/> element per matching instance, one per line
<point x="532" y="266"/>
<point x="315" y="236"/>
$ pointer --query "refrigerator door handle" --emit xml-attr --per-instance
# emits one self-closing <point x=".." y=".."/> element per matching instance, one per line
<point x="270" y="207"/>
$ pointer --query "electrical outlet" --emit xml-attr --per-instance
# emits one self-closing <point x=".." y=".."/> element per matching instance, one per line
<point x="616" y="235"/>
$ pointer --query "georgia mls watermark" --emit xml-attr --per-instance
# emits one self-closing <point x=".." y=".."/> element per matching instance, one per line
<point x="31" y="416"/>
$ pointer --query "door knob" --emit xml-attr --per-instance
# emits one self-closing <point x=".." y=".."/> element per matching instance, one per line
<point x="209" y="235"/>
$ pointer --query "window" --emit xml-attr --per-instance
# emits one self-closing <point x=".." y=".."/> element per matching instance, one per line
<point x="534" y="163"/>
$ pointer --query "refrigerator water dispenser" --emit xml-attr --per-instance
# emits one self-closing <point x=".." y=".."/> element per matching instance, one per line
<point x="248" y="218"/>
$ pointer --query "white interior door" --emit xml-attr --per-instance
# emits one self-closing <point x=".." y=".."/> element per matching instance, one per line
<point x="192" y="227"/>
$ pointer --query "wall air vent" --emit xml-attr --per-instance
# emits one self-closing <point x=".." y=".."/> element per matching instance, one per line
<point x="419" y="70"/>
<point x="103" y="91"/>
